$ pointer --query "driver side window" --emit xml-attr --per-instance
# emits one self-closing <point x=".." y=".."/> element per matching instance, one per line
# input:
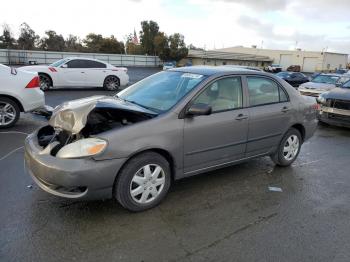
<point x="222" y="95"/>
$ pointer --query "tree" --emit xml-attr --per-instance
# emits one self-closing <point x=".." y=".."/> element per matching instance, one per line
<point x="132" y="47"/>
<point x="52" y="42"/>
<point x="112" y="45"/>
<point x="6" y="39"/>
<point x="178" y="49"/>
<point x="73" y="44"/>
<point x="150" y="30"/>
<point x="161" y="46"/>
<point x="97" y="43"/>
<point x="27" y="39"/>
<point x="192" y="47"/>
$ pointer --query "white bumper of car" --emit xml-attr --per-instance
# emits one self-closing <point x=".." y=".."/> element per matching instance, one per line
<point x="310" y="92"/>
<point x="33" y="98"/>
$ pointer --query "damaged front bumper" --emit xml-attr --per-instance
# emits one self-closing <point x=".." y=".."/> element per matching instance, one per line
<point x="334" y="116"/>
<point x="70" y="178"/>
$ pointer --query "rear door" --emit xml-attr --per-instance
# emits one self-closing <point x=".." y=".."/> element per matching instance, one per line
<point x="74" y="74"/>
<point x="220" y="137"/>
<point x="95" y="73"/>
<point x="270" y="114"/>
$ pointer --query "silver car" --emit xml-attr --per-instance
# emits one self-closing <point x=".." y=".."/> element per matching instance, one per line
<point x="171" y="125"/>
<point x="322" y="83"/>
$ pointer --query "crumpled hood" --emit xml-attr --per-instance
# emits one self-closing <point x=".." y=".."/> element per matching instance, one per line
<point x="338" y="93"/>
<point x="317" y="86"/>
<point x="72" y="115"/>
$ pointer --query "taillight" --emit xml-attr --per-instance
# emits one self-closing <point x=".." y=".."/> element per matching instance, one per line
<point x="316" y="106"/>
<point x="35" y="82"/>
<point x="52" y="69"/>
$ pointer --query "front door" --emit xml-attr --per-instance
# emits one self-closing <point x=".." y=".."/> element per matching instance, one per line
<point x="74" y="74"/>
<point x="270" y="114"/>
<point x="219" y="138"/>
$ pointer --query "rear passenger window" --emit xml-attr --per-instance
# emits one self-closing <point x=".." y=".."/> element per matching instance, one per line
<point x="222" y="95"/>
<point x="264" y="91"/>
<point x="94" y="64"/>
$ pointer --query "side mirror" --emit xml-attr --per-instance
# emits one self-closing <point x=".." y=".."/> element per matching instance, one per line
<point x="64" y="66"/>
<point x="199" y="109"/>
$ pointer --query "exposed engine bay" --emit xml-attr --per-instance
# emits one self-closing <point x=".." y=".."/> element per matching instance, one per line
<point x="85" y="118"/>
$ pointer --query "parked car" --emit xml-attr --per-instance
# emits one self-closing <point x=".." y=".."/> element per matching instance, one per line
<point x="19" y="92"/>
<point x="293" y="78"/>
<point x="335" y="106"/>
<point x="171" y="125"/>
<point x="244" y="67"/>
<point x="82" y="72"/>
<point x="320" y="84"/>
<point x="341" y="71"/>
<point x="168" y="65"/>
<point x="274" y="68"/>
<point x="294" y="68"/>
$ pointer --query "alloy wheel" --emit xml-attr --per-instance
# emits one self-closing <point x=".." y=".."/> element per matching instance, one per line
<point x="44" y="83"/>
<point x="7" y="113"/>
<point x="112" y="83"/>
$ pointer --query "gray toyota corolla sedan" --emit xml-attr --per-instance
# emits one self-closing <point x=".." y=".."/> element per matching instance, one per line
<point x="171" y="125"/>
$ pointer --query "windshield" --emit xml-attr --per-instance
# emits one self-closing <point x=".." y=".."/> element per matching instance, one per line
<point x="346" y="85"/>
<point x="326" y="79"/>
<point x="59" y="62"/>
<point x="161" y="91"/>
<point x="343" y="79"/>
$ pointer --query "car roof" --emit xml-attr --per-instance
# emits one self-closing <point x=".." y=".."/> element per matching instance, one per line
<point x="330" y="74"/>
<point x="83" y="58"/>
<point x="212" y="70"/>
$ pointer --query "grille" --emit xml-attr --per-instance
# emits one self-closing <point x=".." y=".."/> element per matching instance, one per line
<point x="339" y="104"/>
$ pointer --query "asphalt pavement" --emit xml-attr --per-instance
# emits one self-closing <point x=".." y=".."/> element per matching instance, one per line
<point x="226" y="215"/>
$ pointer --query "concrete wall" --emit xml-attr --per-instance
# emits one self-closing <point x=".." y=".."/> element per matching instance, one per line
<point x="45" y="57"/>
<point x="319" y="60"/>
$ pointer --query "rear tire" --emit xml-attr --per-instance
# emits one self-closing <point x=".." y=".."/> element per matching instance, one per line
<point x="143" y="182"/>
<point x="111" y="83"/>
<point x="9" y="112"/>
<point x="288" y="149"/>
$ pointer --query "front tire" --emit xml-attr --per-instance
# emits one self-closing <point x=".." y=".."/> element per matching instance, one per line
<point x="9" y="112"/>
<point x="45" y="82"/>
<point x="143" y="182"/>
<point x="289" y="148"/>
<point x="111" y="83"/>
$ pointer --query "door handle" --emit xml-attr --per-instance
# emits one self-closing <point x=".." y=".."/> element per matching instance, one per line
<point x="83" y="72"/>
<point x="241" y="117"/>
<point x="285" y="109"/>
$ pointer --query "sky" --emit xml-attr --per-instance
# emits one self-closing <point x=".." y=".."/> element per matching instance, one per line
<point x="211" y="24"/>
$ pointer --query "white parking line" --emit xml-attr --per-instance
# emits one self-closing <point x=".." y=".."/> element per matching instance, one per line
<point x="15" y="132"/>
<point x="13" y="151"/>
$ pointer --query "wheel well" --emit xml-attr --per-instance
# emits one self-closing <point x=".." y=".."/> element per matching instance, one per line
<point x="162" y="152"/>
<point x="15" y="100"/>
<point x="301" y="129"/>
<point x="47" y="76"/>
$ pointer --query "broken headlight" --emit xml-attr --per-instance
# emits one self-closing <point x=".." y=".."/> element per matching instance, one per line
<point x="82" y="148"/>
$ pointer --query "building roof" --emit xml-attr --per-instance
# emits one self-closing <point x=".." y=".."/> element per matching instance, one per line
<point x="249" y="49"/>
<point x="226" y="56"/>
<point x="211" y="70"/>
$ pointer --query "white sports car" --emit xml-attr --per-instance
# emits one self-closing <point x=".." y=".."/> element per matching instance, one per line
<point x="19" y="92"/>
<point x="78" y="71"/>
